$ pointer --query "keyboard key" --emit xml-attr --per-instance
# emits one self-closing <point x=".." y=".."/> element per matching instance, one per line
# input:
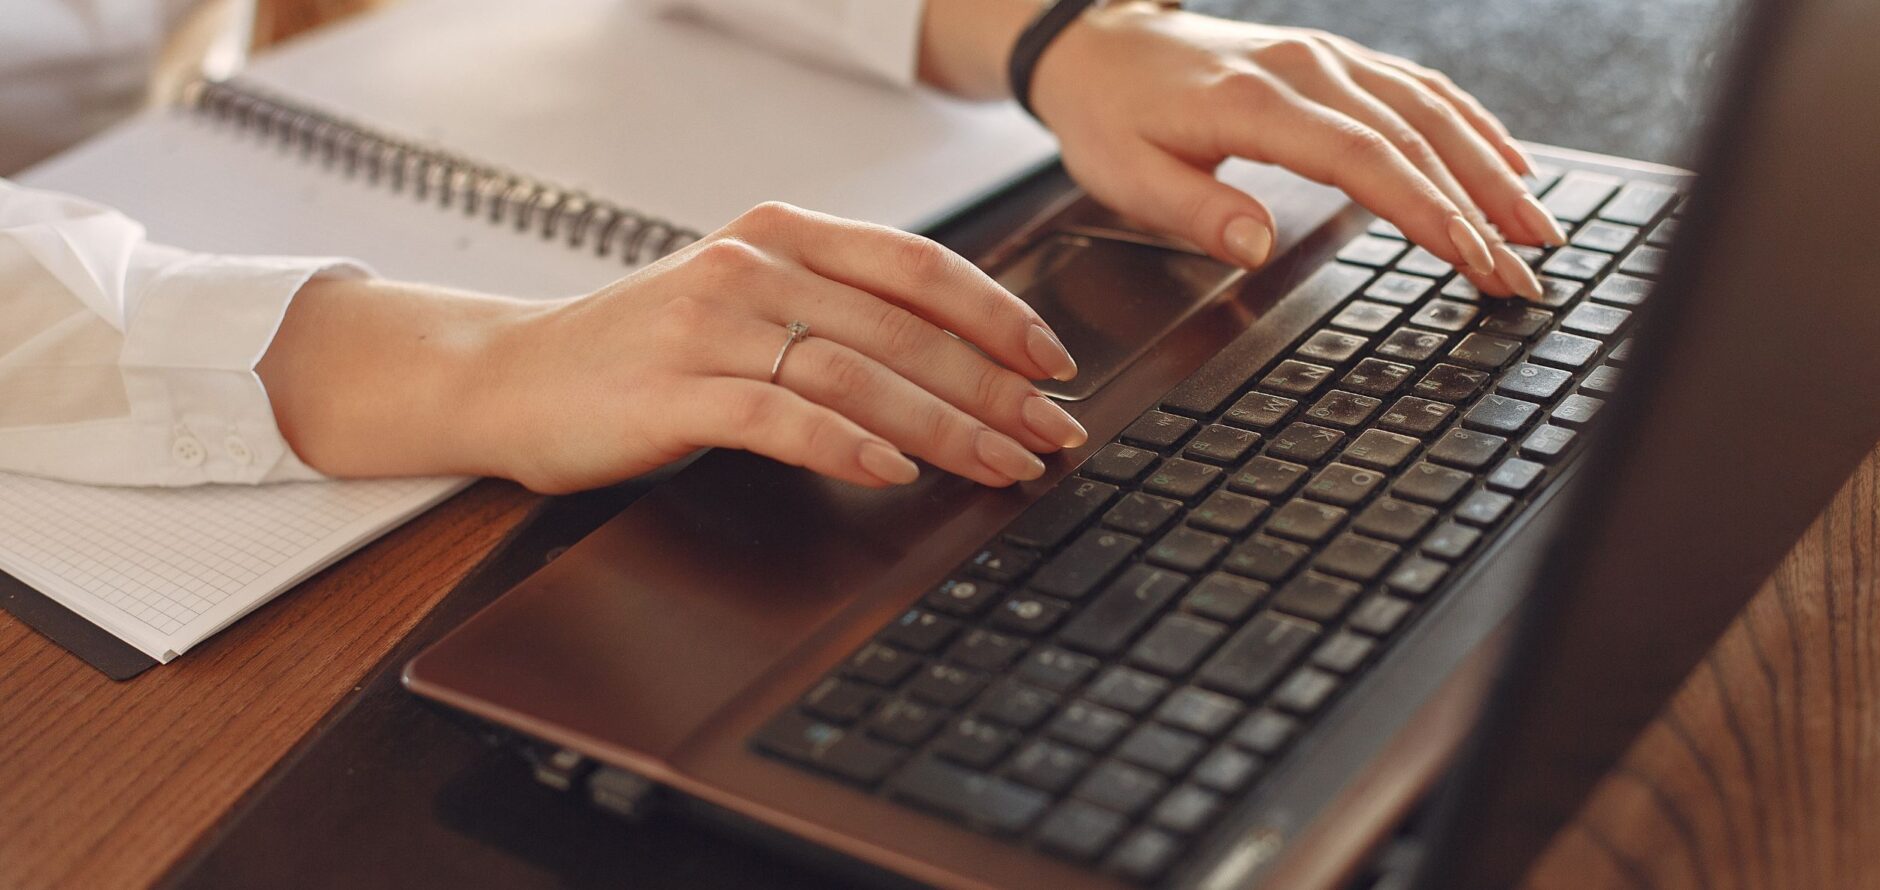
<point x="1531" y="381"/>
<point x="1088" y="726"/>
<point x="1199" y="711"/>
<point x="1605" y="236"/>
<point x="1450" y="383"/>
<point x="1393" y="520"/>
<point x="1048" y="766"/>
<point x="1380" y="450"/>
<point x="1579" y="194"/>
<point x="1572" y="262"/>
<point x="1227" y="769"/>
<point x="1158" y="429"/>
<point x="1304" y="442"/>
<point x="1331" y="347"/>
<point x="840" y="701"/>
<point x="1500" y="414"/>
<point x="1596" y="320"/>
<point x="1078" y="830"/>
<point x="1265" y="558"/>
<point x="1224" y="597"/>
<point x="1186" y="810"/>
<point x="1622" y="290"/>
<point x="1306" y="690"/>
<point x="1376" y="377"/>
<point x="1576" y="410"/>
<point x="1159" y="748"/>
<point x="1016" y="704"/>
<point x="1484" y="352"/>
<point x="1267" y="477"/>
<point x="946" y="685"/>
<point x="1366" y="317"/>
<point x="1384" y="229"/>
<point x="845" y="753"/>
<point x="1484" y="508"/>
<point x="1557" y="292"/>
<point x="1118" y="786"/>
<point x="1663" y="234"/>
<point x="1603" y="381"/>
<point x="1266" y="731"/>
<point x="1409" y="345"/>
<point x="1467" y="449"/>
<point x="1416" y="576"/>
<point x="1445" y="315"/>
<point x="1621" y="353"/>
<point x="1529" y="254"/>
<point x="1305" y="521"/>
<point x="1460" y="288"/>
<point x="1647" y="262"/>
<point x="968" y="795"/>
<point x="1451" y="541"/>
<point x="880" y="665"/>
<point x="1062" y="510"/>
<point x="963" y="597"/>
<point x="1182" y="479"/>
<point x="1028" y="614"/>
<point x="1515" y="476"/>
<point x="1421" y="262"/>
<point x="1124" y="608"/>
<point x="1427" y="483"/>
<point x="906" y="722"/>
<point x="1416" y="416"/>
<point x="1296" y="378"/>
<point x="1344" y="652"/>
<point x="1380" y="615"/>
<point x="1315" y="596"/>
<point x="1257" y="654"/>
<point x="1566" y="350"/>
<point x="1079" y="568"/>
<point x="1228" y="513"/>
<point x="1259" y="411"/>
<point x="1127" y="689"/>
<point x="1344" y="485"/>
<point x="1187" y="550"/>
<point x="1344" y="409"/>
<point x="1175" y="644"/>
<point x="1548" y="442"/>
<point x="1144" y="855"/>
<point x="1638" y="203"/>
<point x="1141" y="514"/>
<point x="987" y="651"/>
<point x="1512" y="319"/>
<point x="1058" y="670"/>
<point x="1118" y="463"/>
<point x="1355" y="557"/>
<point x="976" y="743"/>
<point x="1369" y="250"/>
<point x="1001" y="561"/>
<point x="1217" y="443"/>
<point x="919" y="631"/>
<point x="1398" y="288"/>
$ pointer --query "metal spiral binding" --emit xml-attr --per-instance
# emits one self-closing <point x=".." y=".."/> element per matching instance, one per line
<point x="430" y="174"/>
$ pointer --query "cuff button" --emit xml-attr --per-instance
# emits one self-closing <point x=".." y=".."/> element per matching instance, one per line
<point x="238" y="451"/>
<point x="187" y="451"/>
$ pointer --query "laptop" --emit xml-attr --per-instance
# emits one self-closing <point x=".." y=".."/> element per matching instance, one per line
<point x="1341" y="525"/>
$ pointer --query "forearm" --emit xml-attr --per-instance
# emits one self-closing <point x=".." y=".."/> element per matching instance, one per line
<point x="377" y="378"/>
<point x="964" y="44"/>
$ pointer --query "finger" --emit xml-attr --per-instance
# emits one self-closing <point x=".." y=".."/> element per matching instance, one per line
<point x="1486" y="175"/>
<point x="914" y="420"/>
<point x="929" y="357"/>
<point x="1471" y="109"/>
<point x="728" y="412"/>
<point x="1173" y="197"/>
<point x="919" y="275"/>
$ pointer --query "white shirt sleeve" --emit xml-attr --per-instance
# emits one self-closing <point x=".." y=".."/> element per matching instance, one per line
<point x="130" y="363"/>
<point x="880" y="38"/>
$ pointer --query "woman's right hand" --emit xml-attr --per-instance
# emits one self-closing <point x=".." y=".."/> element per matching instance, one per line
<point x="678" y="356"/>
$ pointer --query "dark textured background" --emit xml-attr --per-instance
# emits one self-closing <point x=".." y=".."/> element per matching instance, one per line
<point x="1639" y="70"/>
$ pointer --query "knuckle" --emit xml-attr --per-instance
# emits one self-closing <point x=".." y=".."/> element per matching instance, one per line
<point x="685" y="317"/>
<point x="919" y="260"/>
<point x="1241" y="90"/>
<point x="844" y="371"/>
<point x="1291" y="53"/>
<point x="899" y="332"/>
<point x="997" y="388"/>
<point x="731" y="257"/>
<point x="768" y="217"/>
<point x="1356" y="143"/>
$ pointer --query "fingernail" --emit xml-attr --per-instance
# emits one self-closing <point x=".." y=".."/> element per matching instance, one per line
<point x="1515" y="273"/>
<point x="1050" y="354"/>
<point x="1537" y="220"/>
<point x="1050" y="423"/>
<point x="887" y="464"/>
<point x="1249" y="240"/>
<point x="1527" y="160"/>
<point x="1469" y="243"/>
<point x="1008" y="457"/>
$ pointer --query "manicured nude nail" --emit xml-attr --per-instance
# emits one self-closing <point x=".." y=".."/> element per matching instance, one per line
<point x="887" y="464"/>
<point x="1515" y="273"/>
<point x="1008" y="457"/>
<point x="1469" y="243"/>
<point x="1527" y="160"/>
<point x="1045" y="349"/>
<point x="1249" y="240"/>
<point x="1539" y="221"/>
<point x="1049" y="422"/>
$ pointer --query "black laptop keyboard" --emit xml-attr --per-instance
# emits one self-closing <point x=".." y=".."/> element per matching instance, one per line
<point x="1143" y="644"/>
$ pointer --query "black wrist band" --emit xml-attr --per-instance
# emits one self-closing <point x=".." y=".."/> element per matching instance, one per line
<point x="1032" y="42"/>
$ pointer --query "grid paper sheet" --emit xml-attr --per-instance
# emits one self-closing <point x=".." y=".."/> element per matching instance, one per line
<point x="164" y="569"/>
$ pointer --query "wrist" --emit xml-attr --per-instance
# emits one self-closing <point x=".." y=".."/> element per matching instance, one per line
<point x="965" y="44"/>
<point x="1064" y="68"/>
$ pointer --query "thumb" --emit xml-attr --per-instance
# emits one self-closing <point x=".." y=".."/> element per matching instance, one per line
<point x="1177" y="199"/>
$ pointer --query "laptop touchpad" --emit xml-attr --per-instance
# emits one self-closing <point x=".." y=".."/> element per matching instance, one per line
<point x="1110" y="299"/>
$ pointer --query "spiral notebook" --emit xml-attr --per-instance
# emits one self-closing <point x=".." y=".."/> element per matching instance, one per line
<point x="532" y="149"/>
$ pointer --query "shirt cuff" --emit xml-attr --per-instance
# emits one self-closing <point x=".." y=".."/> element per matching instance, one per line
<point x="201" y="325"/>
<point x="884" y="36"/>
